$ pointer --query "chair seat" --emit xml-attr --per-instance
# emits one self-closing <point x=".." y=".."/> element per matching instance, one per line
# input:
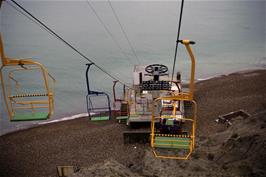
<point x="121" y="117"/>
<point x="172" y="142"/>
<point x="29" y="95"/>
<point x="30" y="116"/>
<point x="99" y="118"/>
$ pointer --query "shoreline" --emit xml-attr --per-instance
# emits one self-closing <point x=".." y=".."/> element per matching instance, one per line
<point x="83" y="115"/>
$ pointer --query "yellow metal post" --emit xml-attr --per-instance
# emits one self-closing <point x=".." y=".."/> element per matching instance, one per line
<point x="192" y="71"/>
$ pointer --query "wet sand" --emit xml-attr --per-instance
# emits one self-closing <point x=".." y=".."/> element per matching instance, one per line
<point x="37" y="151"/>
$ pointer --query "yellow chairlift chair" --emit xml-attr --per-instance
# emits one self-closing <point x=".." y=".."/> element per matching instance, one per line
<point x="25" y="98"/>
<point x="179" y="143"/>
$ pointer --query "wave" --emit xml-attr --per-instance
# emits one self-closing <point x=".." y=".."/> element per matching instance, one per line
<point x="64" y="119"/>
<point x="22" y="126"/>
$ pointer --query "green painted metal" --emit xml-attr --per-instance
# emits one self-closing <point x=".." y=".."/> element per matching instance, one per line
<point x="30" y="116"/>
<point x="100" y="118"/>
<point x="169" y="122"/>
<point x="172" y="142"/>
<point x="134" y="116"/>
<point x="139" y="117"/>
<point x="121" y="117"/>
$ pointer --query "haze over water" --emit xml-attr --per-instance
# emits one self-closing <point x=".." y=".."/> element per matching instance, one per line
<point x="229" y="35"/>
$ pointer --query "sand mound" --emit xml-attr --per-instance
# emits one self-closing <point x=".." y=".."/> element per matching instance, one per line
<point x="108" y="168"/>
<point x="243" y="150"/>
<point x="237" y="151"/>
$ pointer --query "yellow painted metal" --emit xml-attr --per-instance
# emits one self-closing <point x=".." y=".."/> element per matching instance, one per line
<point x="19" y="66"/>
<point x="190" y="94"/>
<point x="175" y="98"/>
<point x="191" y="132"/>
<point x="174" y="108"/>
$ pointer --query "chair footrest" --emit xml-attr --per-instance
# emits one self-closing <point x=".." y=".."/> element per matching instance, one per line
<point x="172" y="142"/>
<point x="100" y="118"/>
<point x="28" y="95"/>
<point x="121" y="117"/>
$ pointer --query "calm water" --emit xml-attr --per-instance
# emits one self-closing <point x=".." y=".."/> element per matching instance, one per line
<point x="230" y="36"/>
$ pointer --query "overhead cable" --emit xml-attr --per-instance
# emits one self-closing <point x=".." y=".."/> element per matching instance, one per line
<point x="27" y="16"/>
<point x="177" y="40"/>
<point x="106" y="28"/>
<point x="65" y="42"/>
<point x="124" y="32"/>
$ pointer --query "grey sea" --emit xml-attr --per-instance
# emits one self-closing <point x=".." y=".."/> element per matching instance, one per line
<point x="230" y="36"/>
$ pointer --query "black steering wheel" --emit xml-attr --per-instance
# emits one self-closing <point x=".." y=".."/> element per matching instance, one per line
<point x="156" y="67"/>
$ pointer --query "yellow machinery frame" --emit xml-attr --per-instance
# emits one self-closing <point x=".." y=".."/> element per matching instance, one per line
<point x="177" y="141"/>
<point x="22" y="65"/>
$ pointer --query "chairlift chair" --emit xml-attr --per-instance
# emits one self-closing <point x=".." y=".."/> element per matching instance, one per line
<point x="95" y="99"/>
<point x="181" y="143"/>
<point x="122" y="103"/>
<point x="24" y="100"/>
<point x="177" y="145"/>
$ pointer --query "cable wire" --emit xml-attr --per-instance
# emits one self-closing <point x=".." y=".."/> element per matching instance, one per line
<point x="124" y="32"/>
<point x="65" y="42"/>
<point x="107" y="30"/>
<point x="27" y="16"/>
<point x="177" y="40"/>
<point x="24" y="14"/>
